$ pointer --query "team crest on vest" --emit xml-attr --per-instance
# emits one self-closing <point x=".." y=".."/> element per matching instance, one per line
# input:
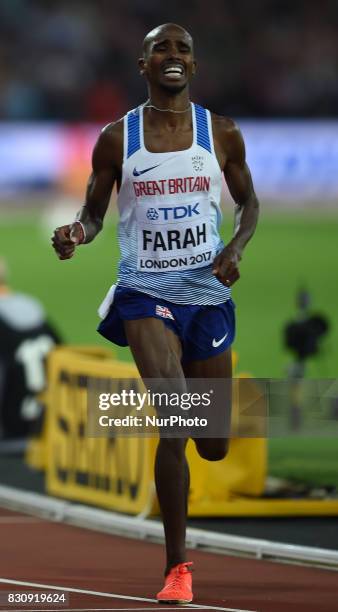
<point x="197" y="163"/>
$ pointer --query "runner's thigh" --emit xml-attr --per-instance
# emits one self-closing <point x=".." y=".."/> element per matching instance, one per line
<point x="156" y="348"/>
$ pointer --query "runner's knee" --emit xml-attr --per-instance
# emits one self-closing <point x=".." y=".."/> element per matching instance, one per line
<point x="212" y="450"/>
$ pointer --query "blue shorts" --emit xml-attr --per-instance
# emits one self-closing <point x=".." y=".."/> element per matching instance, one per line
<point x="204" y="331"/>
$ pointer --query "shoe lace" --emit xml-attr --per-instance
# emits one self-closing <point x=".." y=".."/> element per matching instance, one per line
<point x="175" y="578"/>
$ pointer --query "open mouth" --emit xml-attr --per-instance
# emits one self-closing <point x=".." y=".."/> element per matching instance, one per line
<point x="174" y="71"/>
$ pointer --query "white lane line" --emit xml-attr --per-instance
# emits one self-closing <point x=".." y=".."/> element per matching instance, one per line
<point x="101" y="609"/>
<point x="12" y="520"/>
<point x="103" y="594"/>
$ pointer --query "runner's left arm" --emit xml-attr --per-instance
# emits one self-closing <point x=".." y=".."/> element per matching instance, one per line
<point x="239" y="181"/>
<point x="89" y="220"/>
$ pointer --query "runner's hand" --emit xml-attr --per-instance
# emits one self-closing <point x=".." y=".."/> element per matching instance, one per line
<point x="66" y="238"/>
<point x="225" y="265"/>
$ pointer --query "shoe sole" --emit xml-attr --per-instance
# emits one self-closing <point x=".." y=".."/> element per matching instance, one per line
<point x="175" y="601"/>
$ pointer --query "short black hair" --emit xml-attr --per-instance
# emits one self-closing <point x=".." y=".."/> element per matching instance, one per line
<point x="148" y="39"/>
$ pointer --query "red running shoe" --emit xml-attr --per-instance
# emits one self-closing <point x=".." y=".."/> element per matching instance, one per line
<point x="177" y="585"/>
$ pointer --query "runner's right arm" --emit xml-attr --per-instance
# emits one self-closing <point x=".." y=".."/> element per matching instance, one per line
<point x="106" y="170"/>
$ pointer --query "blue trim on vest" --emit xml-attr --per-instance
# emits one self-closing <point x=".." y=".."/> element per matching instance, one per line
<point x="133" y="132"/>
<point x="203" y="137"/>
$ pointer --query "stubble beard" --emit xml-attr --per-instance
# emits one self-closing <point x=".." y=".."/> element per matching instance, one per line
<point x="173" y="90"/>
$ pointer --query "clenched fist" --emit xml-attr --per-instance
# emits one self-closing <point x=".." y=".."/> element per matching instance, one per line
<point x="66" y="238"/>
<point x="225" y="265"/>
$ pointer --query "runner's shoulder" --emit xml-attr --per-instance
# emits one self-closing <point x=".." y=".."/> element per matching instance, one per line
<point x="227" y="134"/>
<point x="109" y="145"/>
<point x="224" y="125"/>
<point x="112" y="132"/>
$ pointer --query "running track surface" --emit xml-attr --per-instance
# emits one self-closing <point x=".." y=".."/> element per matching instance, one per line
<point x="41" y="552"/>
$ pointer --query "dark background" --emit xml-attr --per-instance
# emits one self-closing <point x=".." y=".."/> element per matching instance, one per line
<point x="77" y="60"/>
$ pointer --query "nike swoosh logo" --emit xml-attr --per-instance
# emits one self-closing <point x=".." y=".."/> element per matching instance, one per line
<point x="139" y="172"/>
<point x="216" y="343"/>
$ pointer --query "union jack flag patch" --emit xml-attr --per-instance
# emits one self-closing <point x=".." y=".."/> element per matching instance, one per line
<point x="163" y="311"/>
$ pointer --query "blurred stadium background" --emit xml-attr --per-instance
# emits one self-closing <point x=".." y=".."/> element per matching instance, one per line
<point x="68" y="68"/>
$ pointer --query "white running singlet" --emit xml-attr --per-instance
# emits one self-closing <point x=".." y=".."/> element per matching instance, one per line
<point x="169" y="205"/>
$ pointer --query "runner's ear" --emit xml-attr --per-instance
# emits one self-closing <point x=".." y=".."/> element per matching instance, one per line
<point x="141" y="65"/>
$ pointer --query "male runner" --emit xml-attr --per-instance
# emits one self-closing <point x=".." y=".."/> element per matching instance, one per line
<point x="172" y="302"/>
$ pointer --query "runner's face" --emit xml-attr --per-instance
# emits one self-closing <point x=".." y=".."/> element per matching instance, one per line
<point x="169" y="61"/>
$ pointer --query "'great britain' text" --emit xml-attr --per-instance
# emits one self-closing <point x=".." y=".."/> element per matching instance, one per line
<point x="170" y="186"/>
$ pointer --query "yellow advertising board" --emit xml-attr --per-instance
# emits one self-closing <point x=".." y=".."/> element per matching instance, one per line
<point x="109" y="472"/>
